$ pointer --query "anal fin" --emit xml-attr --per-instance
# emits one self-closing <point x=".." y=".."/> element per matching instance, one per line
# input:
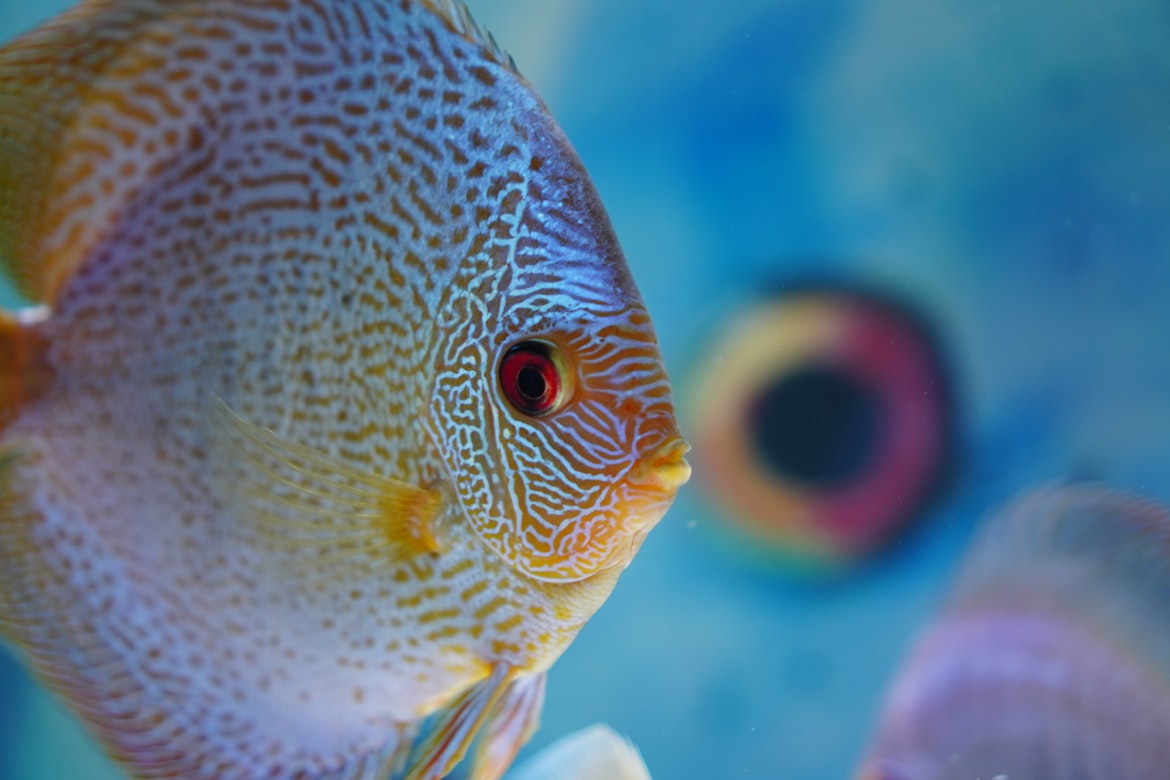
<point x="510" y="725"/>
<point x="449" y="732"/>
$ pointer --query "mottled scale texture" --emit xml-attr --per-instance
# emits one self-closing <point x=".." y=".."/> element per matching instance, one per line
<point x="331" y="217"/>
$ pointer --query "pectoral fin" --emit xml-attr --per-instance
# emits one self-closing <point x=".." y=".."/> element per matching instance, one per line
<point x="511" y="723"/>
<point x="316" y="506"/>
<point x="447" y="735"/>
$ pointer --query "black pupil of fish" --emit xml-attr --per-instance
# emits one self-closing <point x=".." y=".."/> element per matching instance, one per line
<point x="532" y="384"/>
<point x="818" y="425"/>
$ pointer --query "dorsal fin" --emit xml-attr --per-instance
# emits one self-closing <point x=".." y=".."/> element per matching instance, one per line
<point x="44" y="77"/>
<point x="1099" y="556"/>
<point x="456" y="14"/>
<point x="48" y="75"/>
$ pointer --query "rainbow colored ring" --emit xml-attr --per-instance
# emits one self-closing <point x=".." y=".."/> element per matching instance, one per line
<point x="876" y="344"/>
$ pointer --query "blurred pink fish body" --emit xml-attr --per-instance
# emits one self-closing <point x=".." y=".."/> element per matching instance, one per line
<point x="1052" y="662"/>
<point x="338" y="413"/>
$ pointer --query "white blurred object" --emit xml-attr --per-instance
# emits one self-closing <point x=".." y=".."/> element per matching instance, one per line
<point x="596" y="752"/>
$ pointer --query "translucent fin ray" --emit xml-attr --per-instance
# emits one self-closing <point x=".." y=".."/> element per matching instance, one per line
<point x="448" y="734"/>
<point x="510" y="725"/>
<point x="315" y="506"/>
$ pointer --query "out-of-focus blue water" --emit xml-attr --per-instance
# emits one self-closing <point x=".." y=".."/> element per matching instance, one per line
<point x="1002" y="166"/>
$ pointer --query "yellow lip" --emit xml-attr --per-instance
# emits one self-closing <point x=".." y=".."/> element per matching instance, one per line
<point x="665" y="468"/>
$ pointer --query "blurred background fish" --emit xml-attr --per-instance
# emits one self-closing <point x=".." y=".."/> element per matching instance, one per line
<point x="1051" y="660"/>
<point x="989" y="179"/>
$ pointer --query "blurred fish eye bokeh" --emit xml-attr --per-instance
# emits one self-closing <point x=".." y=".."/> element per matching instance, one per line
<point x="823" y="423"/>
<point x="1002" y="168"/>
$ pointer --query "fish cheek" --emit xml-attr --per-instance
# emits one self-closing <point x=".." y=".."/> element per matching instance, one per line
<point x="466" y="437"/>
<point x="541" y="487"/>
<point x="507" y="474"/>
<point x="573" y="518"/>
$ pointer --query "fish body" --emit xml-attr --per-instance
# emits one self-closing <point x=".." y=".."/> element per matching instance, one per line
<point x="1052" y="661"/>
<point x="266" y="506"/>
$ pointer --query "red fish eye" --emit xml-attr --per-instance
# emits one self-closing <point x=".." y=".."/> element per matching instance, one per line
<point x="532" y="379"/>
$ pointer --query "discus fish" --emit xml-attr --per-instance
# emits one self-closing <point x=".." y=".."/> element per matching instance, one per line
<point x="336" y="413"/>
<point x="1053" y="660"/>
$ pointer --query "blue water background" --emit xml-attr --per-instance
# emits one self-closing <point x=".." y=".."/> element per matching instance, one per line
<point x="1004" y="166"/>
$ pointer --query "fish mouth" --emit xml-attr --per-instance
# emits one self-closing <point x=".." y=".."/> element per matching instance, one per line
<point x="645" y="492"/>
<point x="665" y="468"/>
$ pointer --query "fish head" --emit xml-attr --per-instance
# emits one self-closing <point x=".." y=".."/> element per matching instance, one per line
<point x="595" y="474"/>
<point x="551" y="406"/>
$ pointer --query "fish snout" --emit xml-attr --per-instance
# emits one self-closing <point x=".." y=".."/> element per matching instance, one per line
<point x="664" y="468"/>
